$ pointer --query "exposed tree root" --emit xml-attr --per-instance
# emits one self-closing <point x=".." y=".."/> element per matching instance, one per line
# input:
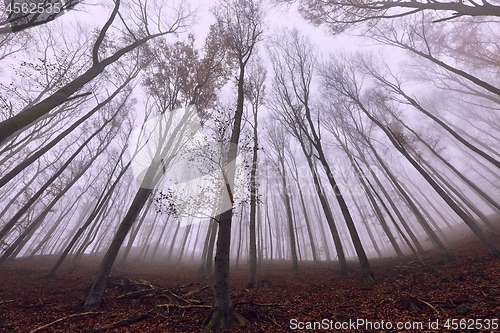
<point x="220" y="321"/>
<point x="38" y="329"/>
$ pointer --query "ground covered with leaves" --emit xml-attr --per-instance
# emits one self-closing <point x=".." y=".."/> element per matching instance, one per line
<point x="455" y="293"/>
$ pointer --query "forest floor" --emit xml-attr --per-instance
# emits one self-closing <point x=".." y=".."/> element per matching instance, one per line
<point x="444" y="295"/>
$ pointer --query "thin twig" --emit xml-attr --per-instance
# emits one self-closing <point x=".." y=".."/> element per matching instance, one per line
<point x="429" y="305"/>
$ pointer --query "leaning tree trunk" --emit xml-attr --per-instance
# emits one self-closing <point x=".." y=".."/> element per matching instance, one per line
<point x="10" y="224"/>
<point x="393" y="219"/>
<point x="421" y="220"/>
<point x="363" y="217"/>
<point x="24" y="237"/>
<point x="344" y="270"/>
<point x="363" y="259"/>
<point x="101" y="278"/>
<point x="466" y="180"/>
<point x="492" y="247"/>
<point x="102" y="200"/>
<point x="37" y="154"/>
<point x="389" y="199"/>
<point x="378" y="212"/>
<point x="133" y="234"/>
<point x="30" y="115"/>
<point x="152" y="175"/>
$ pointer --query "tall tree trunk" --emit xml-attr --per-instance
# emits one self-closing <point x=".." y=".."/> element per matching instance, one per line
<point x="268" y="218"/>
<point x="133" y="234"/>
<point x="172" y="244"/>
<point x="260" y="240"/>
<point x="240" y="237"/>
<point x="222" y="314"/>
<point x="289" y="215"/>
<point x="211" y="247"/>
<point x="152" y="175"/>
<point x="184" y="242"/>
<point x="307" y="220"/>
<point x="252" y="281"/>
<point x="344" y="270"/>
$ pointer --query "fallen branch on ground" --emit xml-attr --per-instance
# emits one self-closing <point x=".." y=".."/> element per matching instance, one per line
<point x="61" y="319"/>
<point x="202" y="306"/>
<point x="258" y="304"/>
<point x="143" y="316"/>
<point x="428" y="304"/>
<point x="121" y="323"/>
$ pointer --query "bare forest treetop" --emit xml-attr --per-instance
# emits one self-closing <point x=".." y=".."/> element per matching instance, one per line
<point x="241" y="26"/>
<point x="339" y="15"/>
<point x="138" y="23"/>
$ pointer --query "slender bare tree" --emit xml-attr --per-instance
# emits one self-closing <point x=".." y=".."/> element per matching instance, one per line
<point x="240" y="23"/>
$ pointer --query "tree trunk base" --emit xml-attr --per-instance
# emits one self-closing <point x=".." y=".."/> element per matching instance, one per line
<point x="218" y="321"/>
<point x="251" y="284"/>
<point x="494" y="250"/>
<point x="345" y="271"/>
<point x="369" y="277"/>
<point x="92" y="304"/>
